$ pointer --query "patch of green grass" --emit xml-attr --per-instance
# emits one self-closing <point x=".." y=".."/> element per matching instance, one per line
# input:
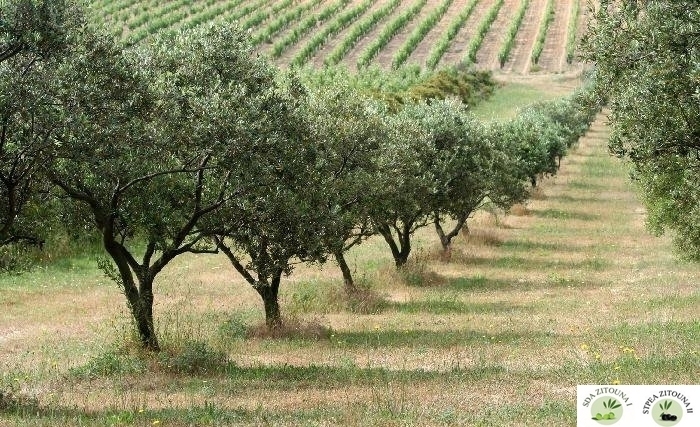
<point x="481" y="283"/>
<point x="527" y="245"/>
<point x="526" y="264"/>
<point x="657" y="336"/>
<point x="235" y="327"/>
<point x="666" y="302"/>
<point x="386" y="407"/>
<point x="70" y="273"/>
<point x="330" y="297"/>
<point x="108" y="364"/>
<point x="425" y="338"/>
<point x="601" y="168"/>
<point x="586" y="185"/>
<point x="550" y="412"/>
<point x="627" y="368"/>
<point x="191" y="357"/>
<point x="575" y="198"/>
<point x="208" y="414"/>
<point x="508" y="99"/>
<point x="552" y="213"/>
<point x="447" y="306"/>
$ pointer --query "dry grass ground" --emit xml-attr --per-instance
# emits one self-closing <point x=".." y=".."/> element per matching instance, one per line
<point x="571" y="290"/>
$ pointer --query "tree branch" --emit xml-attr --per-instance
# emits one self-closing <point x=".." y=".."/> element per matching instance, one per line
<point x="11" y="51"/>
<point x="234" y="261"/>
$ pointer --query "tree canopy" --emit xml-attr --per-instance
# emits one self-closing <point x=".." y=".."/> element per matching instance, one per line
<point x="193" y="144"/>
<point x="648" y="66"/>
<point x="35" y="36"/>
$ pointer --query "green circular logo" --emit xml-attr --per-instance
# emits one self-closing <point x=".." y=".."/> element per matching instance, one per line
<point x="668" y="412"/>
<point x="606" y="410"/>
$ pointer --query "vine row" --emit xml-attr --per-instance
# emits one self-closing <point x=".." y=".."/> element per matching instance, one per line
<point x="478" y="39"/>
<point x="282" y="21"/>
<point x="305" y="26"/>
<point x="542" y="34"/>
<point x="450" y="33"/>
<point x="388" y="33"/>
<point x="419" y="33"/>
<point x="357" y="31"/>
<point x="573" y="30"/>
<point x="513" y="28"/>
<point x="321" y="37"/>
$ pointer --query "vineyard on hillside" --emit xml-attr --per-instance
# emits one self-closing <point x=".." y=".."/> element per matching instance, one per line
<point x="513" y="35"/>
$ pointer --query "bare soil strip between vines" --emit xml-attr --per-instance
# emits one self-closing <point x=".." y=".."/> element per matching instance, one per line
<point x="333" y="40"/>
<point x="455" y="53"/>
<point x="487" y="56"/>
<point x="386" y="55"/>
<point x="525" y="39"/>
<point x="553" y="57"/>
<point x="420" y="54"/>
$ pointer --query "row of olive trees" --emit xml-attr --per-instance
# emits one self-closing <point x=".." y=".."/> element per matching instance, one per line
<point x="647" y="59"/>
<point x="193" y="145"/>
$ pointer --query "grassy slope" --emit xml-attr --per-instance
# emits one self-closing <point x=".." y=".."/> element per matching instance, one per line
<point x="571" y="291"/>
<point x="517" y="92"/>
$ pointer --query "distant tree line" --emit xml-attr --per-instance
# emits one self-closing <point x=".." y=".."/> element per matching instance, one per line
<point x="195" y="145"/>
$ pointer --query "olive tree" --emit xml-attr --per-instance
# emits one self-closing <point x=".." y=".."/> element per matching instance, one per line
<point x="348" y="130"/>
<point x="36" y="29"/>
<point x="646" y="58"/>
<point x="269" y="233"/>
<point x="25" y="127"/>
<point x="280" y="221"/>
<point x="439" y="163"/>
<point x="34" y="37"/>
<point x="534" y="141"/>
<point x="470" y="168"/>
<point x="156" y="141"/>
<point x="406" y="184"/>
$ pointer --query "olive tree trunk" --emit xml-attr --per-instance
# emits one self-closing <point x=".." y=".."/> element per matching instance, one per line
<point x="349" y="283"/>
<point x="269" y="294"/>
<point x="401" y="244"/>
<point x="446" y="238"/>
<point x="139" y="296"/>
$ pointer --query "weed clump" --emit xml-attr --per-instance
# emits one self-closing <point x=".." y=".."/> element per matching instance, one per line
<point x="416" y="272"/>
<point x="12" y="400"/>
<point x="109" y="364"/>
<point x="193" y="357"/>
<point x="188" y="357"/>
<point x="291" y="328"/>
<point x="330" y="297"/>
<point x="364" y="301"/>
